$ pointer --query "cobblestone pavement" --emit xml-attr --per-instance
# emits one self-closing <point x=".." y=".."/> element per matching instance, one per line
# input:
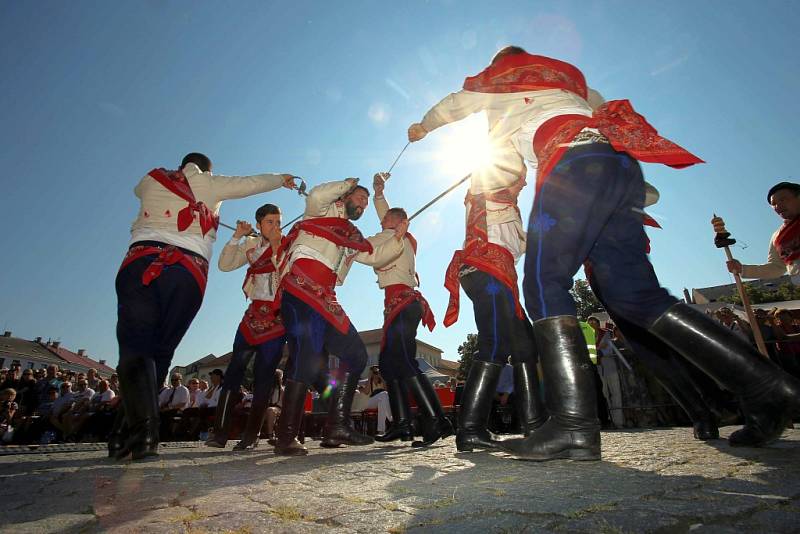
<point x="649" y="481"/>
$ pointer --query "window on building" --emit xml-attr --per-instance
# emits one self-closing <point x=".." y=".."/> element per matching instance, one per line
<point x="31" y="365"/>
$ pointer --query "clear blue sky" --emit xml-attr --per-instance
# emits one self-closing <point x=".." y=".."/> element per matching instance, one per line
<point x="94" y="94"/>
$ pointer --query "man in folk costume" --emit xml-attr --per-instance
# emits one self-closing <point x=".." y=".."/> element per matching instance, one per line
<point x="260" y="334"/>
<point x="588" y="206"/>
<point x="485" y="268"/>
<point x="320" y="251"/>
<point x="404" y="309"/>
<point x="784" y="247"/>
<point x="161" y="282"/>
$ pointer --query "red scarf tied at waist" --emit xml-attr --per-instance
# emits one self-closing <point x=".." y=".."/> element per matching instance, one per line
<point x="314" y="283"/>
<point x="261" y="322"/>
<point x="398" y="297"/>
<point x="626" y="130"/>
<point x="167" y="255"/>
<point x="488" y="257"/>
<point x="787" y="242"/>
<point x="176" y="183"/>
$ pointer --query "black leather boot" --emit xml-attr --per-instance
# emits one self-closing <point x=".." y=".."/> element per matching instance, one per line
<point x="137" y="380"/>
<point x="476" y="405"/>
<point x="338" y="428"/>
<point x="768" y="397"/>
<point x="223" y="419"/>
<point x="401" y="418"/>
<point x="573" y="430"/>
<point x="252" y="429"/>
<point x="294" y="398"/>
<point x="527" y="400"/>
<point x="119" y="432"/>
<point x="435" y="424"/>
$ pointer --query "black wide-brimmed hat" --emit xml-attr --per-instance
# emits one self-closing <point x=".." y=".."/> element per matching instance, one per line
<point x="783" y="185"/>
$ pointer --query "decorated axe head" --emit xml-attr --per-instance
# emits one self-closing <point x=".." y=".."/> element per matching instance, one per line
<point x="722" y="238"/>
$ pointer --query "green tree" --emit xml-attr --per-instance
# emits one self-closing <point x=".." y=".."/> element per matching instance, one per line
<point x="759" y="295"/>
<point x="467" y="352"/>
<point x="586" y="302"/>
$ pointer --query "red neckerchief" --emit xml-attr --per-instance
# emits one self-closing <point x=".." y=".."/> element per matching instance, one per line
<point x="519" y="73"/>
<point x="176" y="182"/>
<point x="340" y="232"/>
<point x="787" y="242"/>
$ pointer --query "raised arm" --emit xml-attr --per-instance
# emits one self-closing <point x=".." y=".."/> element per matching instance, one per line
<point x="323" y="195"/>
<point x="384" y="250"/>
<point x="234" y="253"/>
<point x="381" y="204"/>
<point x="227" y="187"/>
<point x="451" y="108"/>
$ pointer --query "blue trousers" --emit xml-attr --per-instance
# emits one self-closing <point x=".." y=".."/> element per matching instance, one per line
<point x="589" y="208"/>
<point x="152" y="319"/>
<point x="267" y="357"/>
<point x="311" y="338"/>
<point x="398" y="359"/>
<point x="500" y="332"/>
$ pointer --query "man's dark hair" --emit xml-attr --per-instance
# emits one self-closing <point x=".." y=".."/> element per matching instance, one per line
<point x="397" y="212"/>
<point x="201" y="160"/>
<point x="507" y="51"/>
<point x="791" y="186"/>
<point x="356" y="188"/>
<point x="267" y="209"/>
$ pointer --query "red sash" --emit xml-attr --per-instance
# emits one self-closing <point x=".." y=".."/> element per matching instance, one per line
<point x="787" y="242"/>
<point x="479" y="253"/>
<point x="398" y="297"/>
<point x="340" y="232"/>
<point x="167" y="255"/>
<point x="261" y="322"/>
<point x="626" y="130"/>
<point x="519" y="73"/>
<point x="176" y="182"/>
<point x="314" y="283"/>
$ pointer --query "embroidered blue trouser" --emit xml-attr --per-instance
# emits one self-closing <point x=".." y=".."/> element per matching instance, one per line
<point x="311" y="338"/>
<point x="590" y="207"/>
<point x="500" y="332"/>
<point x="398" y="359"/>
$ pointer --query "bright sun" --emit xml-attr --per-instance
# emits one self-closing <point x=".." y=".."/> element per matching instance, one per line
<point x="463" y="146"/>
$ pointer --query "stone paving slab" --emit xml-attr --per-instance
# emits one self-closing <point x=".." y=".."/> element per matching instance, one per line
<point x="649" y="481"/>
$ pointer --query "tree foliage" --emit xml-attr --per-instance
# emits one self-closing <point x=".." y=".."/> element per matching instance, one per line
<point x="466" y="353"/>
<point x="586" y="302"/>
<point x="759" y="295"/>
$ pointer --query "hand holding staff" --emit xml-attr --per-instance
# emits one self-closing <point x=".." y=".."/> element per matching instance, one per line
<point x="723" y="239"/>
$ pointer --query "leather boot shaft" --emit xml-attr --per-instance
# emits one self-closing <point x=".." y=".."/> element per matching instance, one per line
<point x="290" y="420"/>
<point x="435" y="424"/>
<point x="223" y="418"/>
<point x="401" y="413"/>
<point x="137" y="379"/>
<point x="338" y="428"/>
<point x="527" y="398"/>
<point x="476" y="406"/>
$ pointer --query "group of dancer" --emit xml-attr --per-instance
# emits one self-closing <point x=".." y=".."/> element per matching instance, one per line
<point x="587" y="211"/>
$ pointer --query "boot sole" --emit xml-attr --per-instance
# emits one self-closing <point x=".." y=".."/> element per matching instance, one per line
<point x="291" y="452"/>
<point x="577" y="455"/>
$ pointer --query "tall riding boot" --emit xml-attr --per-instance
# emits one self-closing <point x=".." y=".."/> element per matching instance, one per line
<point x="476" y="406"/>
<point x="294" y="399"/>
<point x="401" y="425"/>
<point x="119" y="432"/>
<point x="258" y="413"/>
<point x="436" y="426"/>
<point x="672" y="375"/>
<point x="223" y="419"/>
<point x="137" y="379"/>
<point x="338" y="428"/>
<point x="528" y="402"/>
<point x="768" y="396"/>
<point x="573" y="430"/>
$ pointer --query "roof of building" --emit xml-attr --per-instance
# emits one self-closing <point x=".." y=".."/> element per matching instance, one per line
<point x="78" y="358"/>
<point x="14" y="346"/>
<point x="376" y="335"/>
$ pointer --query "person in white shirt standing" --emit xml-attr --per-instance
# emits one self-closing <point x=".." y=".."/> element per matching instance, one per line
<point x="260" y="334"/>
<point x="161" y="282"/>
